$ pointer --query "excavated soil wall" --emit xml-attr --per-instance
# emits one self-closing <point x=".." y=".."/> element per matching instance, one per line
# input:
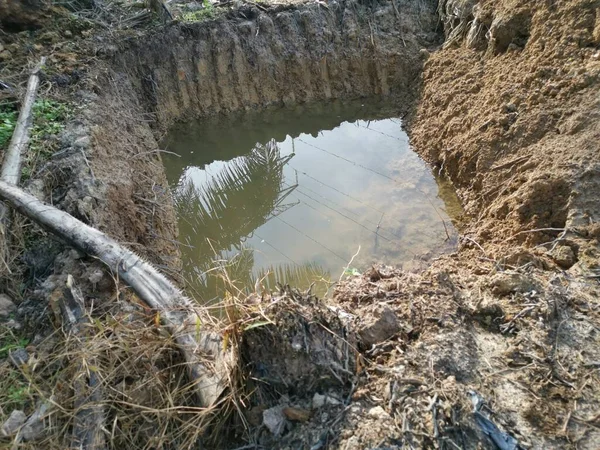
<point x="252" y="58"/>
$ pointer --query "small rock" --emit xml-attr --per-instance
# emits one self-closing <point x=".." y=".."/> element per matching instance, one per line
<point x="16" y="419"/>
<point x="377" y="412"/>
<point x="254" y="415"/>
<point x="506" y="283"/>
<point x="318" y="400"/>
<point x="191" y="6"/>
<point x="5" y="55"/>
<point x="96" y="276"/>
<point x="296" y="414"/>
<point x="18" y="357"/>
<point x="7" y="307"/>
<point x="564" y="256"/>
<point x="68" y="34"/>
<point x="50" y="37"/>
<point x="424" y="54"/>
<point x="35" y="425"/>
<point x="274" y="420"/>
<point x="332" y="401"/>
<point x="488" y="313"/>
<point x="61" y="80"/>
<point x="383" y="328"/>
<point x="12" y="324"/>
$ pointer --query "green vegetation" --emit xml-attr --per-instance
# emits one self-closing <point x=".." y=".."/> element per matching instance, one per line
<point x="15" y="392"/>
<point x="8" y="119"/>
<point x="49" y="119"/>
<point x="207" y="12"/>
<point x="6" y="345"/>
<point x="14" y="389"/>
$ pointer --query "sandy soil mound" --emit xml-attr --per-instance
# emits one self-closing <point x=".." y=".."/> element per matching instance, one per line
<point x="510" y="113"/>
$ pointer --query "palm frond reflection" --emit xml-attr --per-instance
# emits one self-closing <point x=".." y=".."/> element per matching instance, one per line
<point x="218" y="216"/>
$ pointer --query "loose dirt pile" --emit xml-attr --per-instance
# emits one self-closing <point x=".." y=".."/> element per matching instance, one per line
<point x="509" y="111"/>
<point x="507" y="326"/>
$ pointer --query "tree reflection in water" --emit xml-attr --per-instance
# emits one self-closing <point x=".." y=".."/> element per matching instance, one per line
<point x="219" y="216"/>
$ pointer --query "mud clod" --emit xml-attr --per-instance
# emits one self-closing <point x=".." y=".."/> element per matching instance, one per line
<point x="385" y="326"/>
<point x="564" y="256"/>
<point x="7" y="307"/>
<point x="453" y="354"/>
<point x="16" y="419"/>
<point x="507" y="283"/>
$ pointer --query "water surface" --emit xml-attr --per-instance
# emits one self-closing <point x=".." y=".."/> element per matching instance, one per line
<point x="301" y="196"/>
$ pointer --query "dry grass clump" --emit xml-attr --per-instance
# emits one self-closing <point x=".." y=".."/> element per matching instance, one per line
<point x="142" y="391"/>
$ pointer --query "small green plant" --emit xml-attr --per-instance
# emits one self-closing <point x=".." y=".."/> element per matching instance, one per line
<point x="18" y="393"/>
<point x="49" y="119"/>
<point x="7" y="344"/>
<point x="8" y="119"/>
<point x="207" y="12"/>
<point x="14" y="389"/>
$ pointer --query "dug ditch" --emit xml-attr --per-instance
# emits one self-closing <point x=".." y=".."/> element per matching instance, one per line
<point x="393" y="358"/>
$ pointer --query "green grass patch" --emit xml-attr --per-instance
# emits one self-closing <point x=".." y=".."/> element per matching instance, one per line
<point x="6" y="345"/>
<point x="49" y="120"/>
<point x="15" y="391"/>
<point x="8" y="120"/>
<point x="207" y="12"/>
<point x="14" y="388"/>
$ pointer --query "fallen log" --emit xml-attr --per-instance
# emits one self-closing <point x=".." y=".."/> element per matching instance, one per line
<point x="208" y="362"/>
<point x="11" y="167"/>
<point x="13" y="157"/>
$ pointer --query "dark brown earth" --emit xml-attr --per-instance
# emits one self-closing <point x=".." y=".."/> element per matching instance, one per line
<point x="507" y="108"/>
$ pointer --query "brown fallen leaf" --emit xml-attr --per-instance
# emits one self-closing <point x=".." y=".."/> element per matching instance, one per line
<point x="296" y="414"/>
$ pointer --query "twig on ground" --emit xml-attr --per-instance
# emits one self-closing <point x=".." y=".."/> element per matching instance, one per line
<point x="88" y="427"/>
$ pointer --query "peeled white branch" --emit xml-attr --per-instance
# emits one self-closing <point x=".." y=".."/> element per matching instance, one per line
<point x="13" y="157"/>
<point x="11" y="167"/>
<point x="208" y="363"/>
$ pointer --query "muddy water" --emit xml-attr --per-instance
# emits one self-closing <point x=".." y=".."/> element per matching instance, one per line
<point x="302" y="195"/>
